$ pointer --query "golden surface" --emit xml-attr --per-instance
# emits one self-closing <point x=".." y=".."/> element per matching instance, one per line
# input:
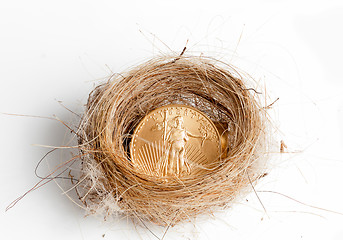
<point x="174" y="141"/>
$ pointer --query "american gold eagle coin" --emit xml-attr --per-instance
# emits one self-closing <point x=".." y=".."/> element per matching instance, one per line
<point x="174" y="141"/>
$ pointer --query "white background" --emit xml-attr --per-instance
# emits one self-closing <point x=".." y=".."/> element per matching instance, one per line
<point x="54" y="51"/>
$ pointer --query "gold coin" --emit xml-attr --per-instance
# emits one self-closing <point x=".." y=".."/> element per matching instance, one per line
<point x="175" y="141"/>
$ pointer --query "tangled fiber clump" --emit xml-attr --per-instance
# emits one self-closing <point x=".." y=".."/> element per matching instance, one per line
<point x="110" y="183"/>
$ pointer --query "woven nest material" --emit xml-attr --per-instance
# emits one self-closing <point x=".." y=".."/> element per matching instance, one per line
<point x="110" y="184"/>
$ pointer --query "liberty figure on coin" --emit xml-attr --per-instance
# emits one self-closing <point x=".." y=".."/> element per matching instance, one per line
<point x="174" y="162"/>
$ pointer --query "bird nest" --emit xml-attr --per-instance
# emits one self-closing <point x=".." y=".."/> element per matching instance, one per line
<point x="111" y="182"/>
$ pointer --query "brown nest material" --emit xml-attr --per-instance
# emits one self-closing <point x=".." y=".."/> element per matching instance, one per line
<point x="110" y="184"/>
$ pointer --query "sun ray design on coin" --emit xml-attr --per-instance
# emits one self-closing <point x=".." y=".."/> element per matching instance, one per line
<point x="175" y="141"/>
